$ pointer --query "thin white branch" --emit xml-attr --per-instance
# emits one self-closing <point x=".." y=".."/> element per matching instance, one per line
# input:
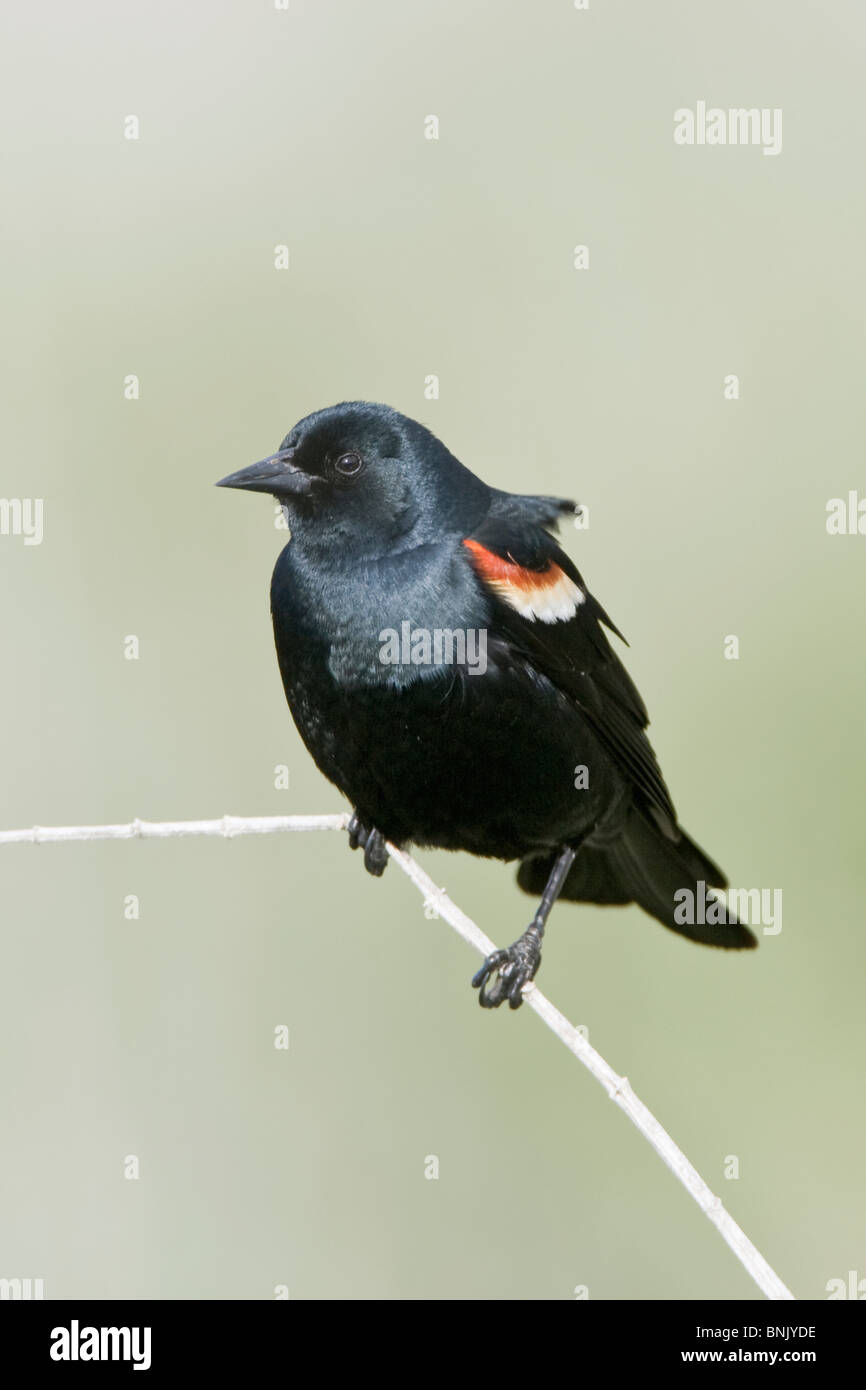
<point x="617" y="1087"/>
<point x="227" y="827"/>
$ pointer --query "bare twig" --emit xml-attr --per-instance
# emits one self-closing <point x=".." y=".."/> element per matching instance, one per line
<point x="226" y="827"/>
<point x="617" y="1087"/>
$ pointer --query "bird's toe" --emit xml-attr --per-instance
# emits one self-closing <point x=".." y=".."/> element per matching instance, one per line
<point x="505" y="974"/>
<point x="375" y="854"/>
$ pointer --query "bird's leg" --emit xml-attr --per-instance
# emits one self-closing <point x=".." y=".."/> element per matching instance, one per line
<point x="373" y="844"/>
<point x="504" y="973"/>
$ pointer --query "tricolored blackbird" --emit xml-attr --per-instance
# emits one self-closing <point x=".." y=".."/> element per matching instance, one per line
<point x="448" y="669"/>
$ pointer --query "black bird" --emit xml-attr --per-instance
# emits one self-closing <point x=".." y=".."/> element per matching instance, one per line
<point x="448" y="669"/>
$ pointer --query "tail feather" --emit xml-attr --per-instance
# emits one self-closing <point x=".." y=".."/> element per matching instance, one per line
<point x="644" y="867"/>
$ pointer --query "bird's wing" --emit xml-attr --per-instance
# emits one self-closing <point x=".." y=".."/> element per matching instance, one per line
<point x="550" y="620"/>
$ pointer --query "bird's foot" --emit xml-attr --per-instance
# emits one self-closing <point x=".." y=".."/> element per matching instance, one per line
<point x="372" y="842"/>
<point x="504" y="973"/>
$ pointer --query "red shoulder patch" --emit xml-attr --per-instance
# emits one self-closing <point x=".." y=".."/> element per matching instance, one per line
<point x="547" y="595"/>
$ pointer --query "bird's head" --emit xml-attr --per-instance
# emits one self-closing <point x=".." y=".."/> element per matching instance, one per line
<point x="368" y="478"/>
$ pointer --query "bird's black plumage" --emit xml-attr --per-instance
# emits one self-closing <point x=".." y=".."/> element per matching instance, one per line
<point x="393" y="538"/>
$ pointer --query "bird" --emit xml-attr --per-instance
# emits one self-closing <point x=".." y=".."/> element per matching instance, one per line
<point x="450" y="672"/>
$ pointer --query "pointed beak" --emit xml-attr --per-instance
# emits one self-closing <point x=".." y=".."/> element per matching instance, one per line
<point x="277" y="475"/>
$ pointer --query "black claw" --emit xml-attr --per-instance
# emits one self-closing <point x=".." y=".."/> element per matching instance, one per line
<point x="515" y="994"/>
<point x="375" y="854"/>
<point x="490" y="964"/>
<point x="504" y="973"/>
<point x="489" y="982"/>
<point x="372" y="842"/>
<point x="357" y="832"/>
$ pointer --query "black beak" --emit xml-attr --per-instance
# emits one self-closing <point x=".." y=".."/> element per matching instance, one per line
<point x="276" y="475"/>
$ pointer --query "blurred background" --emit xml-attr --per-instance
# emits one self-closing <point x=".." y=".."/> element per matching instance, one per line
<point x="411" y="258"/>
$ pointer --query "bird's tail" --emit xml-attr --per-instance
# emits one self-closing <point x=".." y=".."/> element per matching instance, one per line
<point x="669" y="879"/>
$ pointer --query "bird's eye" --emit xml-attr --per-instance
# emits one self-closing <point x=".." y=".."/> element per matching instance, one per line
<point x="348" y="465"/>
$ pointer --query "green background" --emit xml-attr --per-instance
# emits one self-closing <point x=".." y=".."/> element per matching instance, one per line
<point x="412" y="257"/>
